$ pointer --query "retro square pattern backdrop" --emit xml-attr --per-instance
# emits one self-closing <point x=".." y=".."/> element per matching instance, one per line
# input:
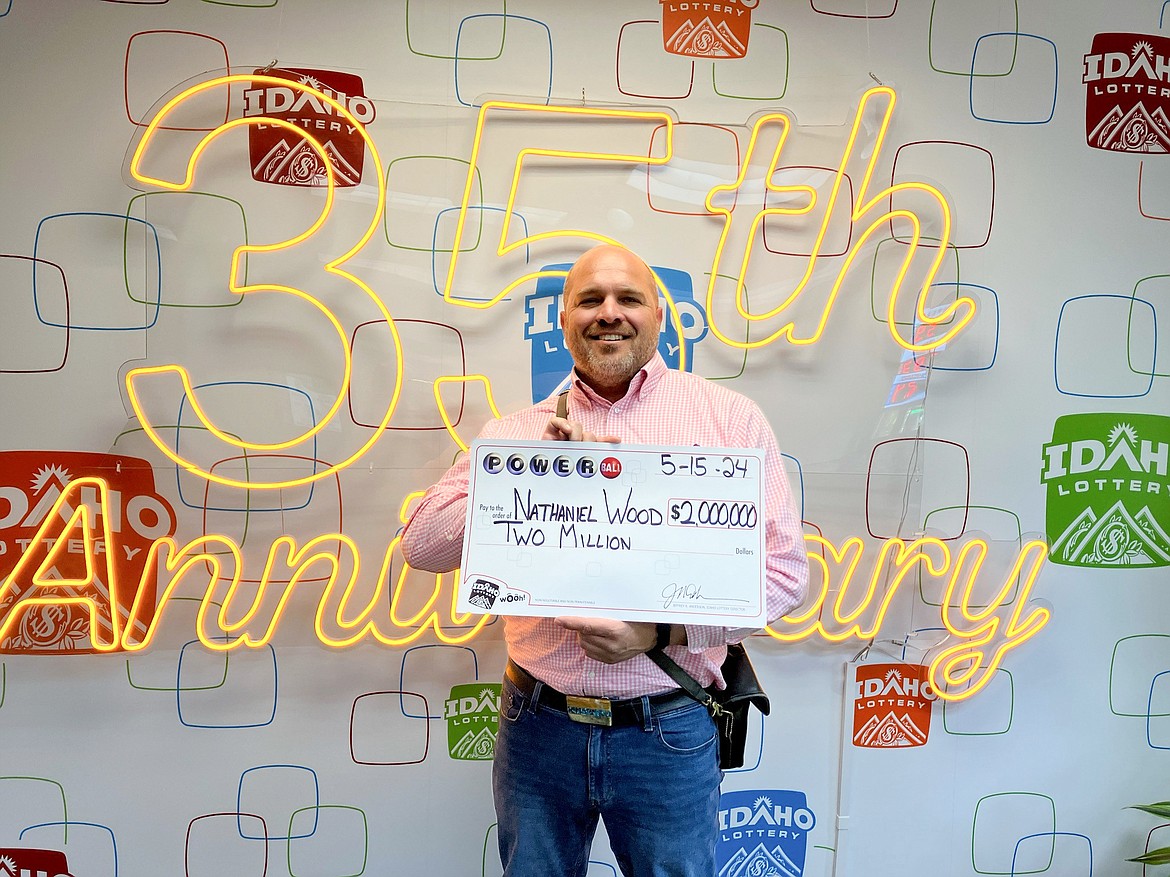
<point x="1045" y="126"/>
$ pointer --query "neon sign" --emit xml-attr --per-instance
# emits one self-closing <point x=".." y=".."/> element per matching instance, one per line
<point x="346" y="616"/>
<point x="343" y="618"/>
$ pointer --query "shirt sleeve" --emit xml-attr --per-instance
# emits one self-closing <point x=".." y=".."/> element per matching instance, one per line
<point x="433" y="538"/>
<point x="786" y="563"/>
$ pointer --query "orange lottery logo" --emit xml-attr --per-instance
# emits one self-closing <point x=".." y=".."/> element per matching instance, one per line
<point x="891" y="706"/>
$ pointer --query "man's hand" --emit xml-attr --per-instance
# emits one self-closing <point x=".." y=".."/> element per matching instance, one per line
<point x="561" y="429"/>
<point x="609" y="641"/>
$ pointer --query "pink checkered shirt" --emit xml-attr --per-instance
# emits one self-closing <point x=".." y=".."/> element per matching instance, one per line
<point x="663" y="407"/>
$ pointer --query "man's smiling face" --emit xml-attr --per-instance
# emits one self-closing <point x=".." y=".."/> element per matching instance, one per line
<point x="611" y="318"/>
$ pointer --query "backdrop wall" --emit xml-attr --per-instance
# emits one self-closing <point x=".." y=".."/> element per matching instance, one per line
<point x="1025" y="155"/>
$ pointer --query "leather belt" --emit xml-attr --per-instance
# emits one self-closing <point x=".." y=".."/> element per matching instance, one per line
<point x="625" y="712"/>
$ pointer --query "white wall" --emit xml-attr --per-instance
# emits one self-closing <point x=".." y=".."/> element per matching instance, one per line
<point x="146" y="756"/>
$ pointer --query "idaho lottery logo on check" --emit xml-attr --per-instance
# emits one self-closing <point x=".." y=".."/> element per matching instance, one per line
<point x="637" y="532"/>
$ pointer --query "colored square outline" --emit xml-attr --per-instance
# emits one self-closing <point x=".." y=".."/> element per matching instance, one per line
<point x="1150" y="710"/>
<point x="126" y="78"/>
<point x="1018" y="541"/>
<point x="975" y="827"/>
<point x="425" y="725"/>
<point x="968" y="72"/>
<point x="237" y="299"/>
<point x="433" y="248"/>
<point x="755" y="53"/>
<point x="975" y="77"/>
<point x="924" y="241"/>
<point x="64" y="823"/>
<point x="402" y="675"/>
<point x="236" y="816"/>
<point x="893" y="9"/>
<point x="462" y="371"/>
<point x="248" y="512"/>
<point x="848" y="216"/>
<point x="495" y="57"/>
<point x="1153" y="353"/>
<point x="1011" y="709"/>
<point x="653" y="170"/>
<point x="8" y="8"/>
<point x="316" y="809"/>
<point x="799" y="479"/>
<point x="869" y="474"/>
<point x="954" y="251"/>
<point x="176" y="687"/>
<point x="1053" y="835"/>
<point x="746" y="330"/>
<point x="65" y="287"/>
<point x="240" y="795"/>
<point x="618" y="66"/>
<point x="1142" y="209"/>
<point x="921" y="361"/>
<point x="240" y="5"/>
<point x="548" y="35"/>
<point x="75" y="823"/>
<point x="1113" y="663"/>
<point x="158" y="269"/>
<point x="1153" y="372"/>
<point x="179" y="690"/>
<point x="247" y="508"/>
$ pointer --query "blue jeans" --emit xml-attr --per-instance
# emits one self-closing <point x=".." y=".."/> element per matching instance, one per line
<point x="656" y="786"/>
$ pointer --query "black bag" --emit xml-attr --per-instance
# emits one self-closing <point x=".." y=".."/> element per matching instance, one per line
<point x="729" y="706"/>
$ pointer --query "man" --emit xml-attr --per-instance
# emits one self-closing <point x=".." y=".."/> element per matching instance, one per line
<point x="653" y="776"/>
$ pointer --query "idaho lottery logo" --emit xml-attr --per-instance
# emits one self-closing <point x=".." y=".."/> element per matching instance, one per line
<point x="707" y="30"/>
<point x="1127" y="93"/>
<point x="473" y="720"/>
<point x="551" y="359"/>
<point x="30" y="483"/>
<point x="891" y="706"/>
<point x="762" y="833"/>
<point x="279" y="156"/>
<point x="1108" y="490"/>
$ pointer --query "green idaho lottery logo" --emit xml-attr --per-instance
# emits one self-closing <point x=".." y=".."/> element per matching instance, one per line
<point x="473" y="717"/>
<point x="1108" y="501"/>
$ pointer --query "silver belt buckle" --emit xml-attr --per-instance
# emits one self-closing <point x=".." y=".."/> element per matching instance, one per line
<point x="590" y="710"/>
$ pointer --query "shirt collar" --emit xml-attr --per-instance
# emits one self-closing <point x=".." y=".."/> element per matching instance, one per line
<point x="644" y="379"/>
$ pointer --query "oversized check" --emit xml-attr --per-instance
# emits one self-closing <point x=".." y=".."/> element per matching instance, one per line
<point x="635" y="532"/>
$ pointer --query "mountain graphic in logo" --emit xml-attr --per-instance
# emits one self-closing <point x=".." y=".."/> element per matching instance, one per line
<point x="1138" y="130"/>
<point x="1108" y="490"/>
<point x="705" y="39"/>
<point x="707" y="30"/>
<point x="298" y="164"/>
<point x="475" y="746"/>
<point x="890" y="730"/>
<point x="760" y="862"/>
<point x="1126" y="95"/>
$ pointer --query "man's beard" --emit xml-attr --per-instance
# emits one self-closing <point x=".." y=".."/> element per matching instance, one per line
<point x="610" y="370"/>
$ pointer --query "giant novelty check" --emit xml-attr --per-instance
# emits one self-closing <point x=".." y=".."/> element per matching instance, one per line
<point x="635" y="532"/>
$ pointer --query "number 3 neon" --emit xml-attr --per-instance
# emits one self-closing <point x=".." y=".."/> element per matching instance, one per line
<point x="138" y="377"/>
